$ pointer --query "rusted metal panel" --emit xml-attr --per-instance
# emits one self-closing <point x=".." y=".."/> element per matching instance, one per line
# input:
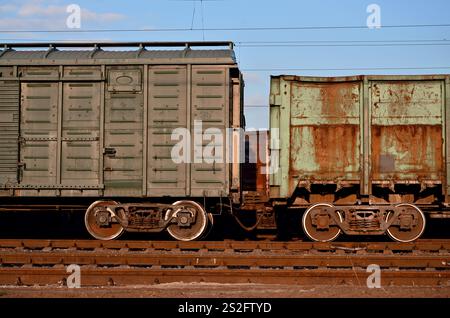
<point x="446" y="112"/>
<point x="9" y="136"/>
<point x="366" y="130"/>
<point x="254" y="170"/>
<point x="167" y="111"/>
<point x="123" y="137"/>
<point x="406" y="130"/>
<point x="324" y="133"/>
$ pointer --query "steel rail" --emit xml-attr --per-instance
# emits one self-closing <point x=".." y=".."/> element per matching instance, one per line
<point x="94" y="276"/>
<point x="230" y="246"/>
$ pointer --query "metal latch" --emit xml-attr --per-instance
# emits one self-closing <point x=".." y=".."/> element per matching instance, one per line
<point x="21" y="166"/>
<point x="109" y="152"/>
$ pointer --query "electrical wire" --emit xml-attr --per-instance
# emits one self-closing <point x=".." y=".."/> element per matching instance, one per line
<point x="286" y="28"/>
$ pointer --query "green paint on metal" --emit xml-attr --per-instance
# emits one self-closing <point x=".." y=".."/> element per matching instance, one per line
<point x="360" y="129"/>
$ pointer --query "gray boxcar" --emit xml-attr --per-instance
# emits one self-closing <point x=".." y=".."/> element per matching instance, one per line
<point x="98" y="123"/>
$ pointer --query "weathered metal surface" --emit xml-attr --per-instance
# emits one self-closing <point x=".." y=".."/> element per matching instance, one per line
<point x="9" y="127"/>
<point x="367" y="130"/>
<point x="31" y="262"/>
<point x="323" y="130"/>
<point x="407" y="132"/>
<point x="38" y="135"/>
<point x="210" y="106"/>
<point x="217" y="259"/>
<point x="80" y="133"/>
<point x="167" y="111"/>
<point x="104" y="127"/>
<point x="96" y="55"/>
<point x="123" y="132"/>
<point x="428" y="245"/>
<point x="255" y="175"/>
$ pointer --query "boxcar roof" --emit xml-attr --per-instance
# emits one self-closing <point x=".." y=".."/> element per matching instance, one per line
<point x="22" y="54"/>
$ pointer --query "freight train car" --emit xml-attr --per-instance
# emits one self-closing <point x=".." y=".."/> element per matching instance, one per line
<point x="152" y="140"/>
<point x="361" y="155"/>
<point x="82" y="124"/>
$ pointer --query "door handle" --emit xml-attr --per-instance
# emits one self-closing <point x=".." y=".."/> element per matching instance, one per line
<point x="109" y="152"/>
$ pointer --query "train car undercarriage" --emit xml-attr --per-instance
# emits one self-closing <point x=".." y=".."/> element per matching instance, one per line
<point x="184" y="220"/>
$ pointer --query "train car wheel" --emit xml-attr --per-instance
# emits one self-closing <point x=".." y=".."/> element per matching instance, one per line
<point x="410" y="232"/>
<point x="209" y="226"/>
<point x="320" y="229"/>
<point x="106" y="232"/>
<point x="193" y="231"/>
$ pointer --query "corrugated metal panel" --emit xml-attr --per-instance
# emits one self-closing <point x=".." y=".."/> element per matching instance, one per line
<point x="39" y="121"/>
<point x="107" y="54"/>
<point x="167" y="111"/>
<point x="82" y="72"/>
<point x="80" y="133"/>
<point x="39" y="73"/>
<point x="9" y="127"/>
<point x="210" y="107"/>
<point x="124" y="135"/>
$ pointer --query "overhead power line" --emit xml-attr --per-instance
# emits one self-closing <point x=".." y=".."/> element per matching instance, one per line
<point x="342" y="41"/>
<point x="343" y="69"/>
<point x="286" y="28"/>
<point x="342" y="45"/>
<point x="256" y="44"/>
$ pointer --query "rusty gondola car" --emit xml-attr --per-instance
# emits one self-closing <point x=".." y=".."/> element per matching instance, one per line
<point x="94" y="126"/>
<point x="362" y="155"/>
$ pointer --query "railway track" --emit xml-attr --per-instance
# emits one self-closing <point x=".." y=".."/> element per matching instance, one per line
<point x="44" y="262"/>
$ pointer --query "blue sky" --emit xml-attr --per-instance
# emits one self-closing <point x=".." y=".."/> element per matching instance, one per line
<point x="156" y="14"/>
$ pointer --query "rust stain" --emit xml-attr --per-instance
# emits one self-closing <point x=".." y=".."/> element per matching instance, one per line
<point x="337" y="99"/>
<point x="254" y="178"/>
<point x="415" y="152"/>
<point x="335" y="151"/>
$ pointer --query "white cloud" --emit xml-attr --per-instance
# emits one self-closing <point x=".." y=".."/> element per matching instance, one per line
<point x="103" y="17"/>
<point x="33" y="9"/>
<point x="48" y="14"/>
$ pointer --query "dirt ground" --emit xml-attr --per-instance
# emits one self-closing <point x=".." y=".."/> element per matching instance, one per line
<point x="211" y="290"/>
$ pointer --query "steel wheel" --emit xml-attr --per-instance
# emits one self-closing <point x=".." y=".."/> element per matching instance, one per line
<point x="209" y="226"/>
<point x="105" y="233"/>
<point x="311" y="230"/>
<point x="195" y="230"/>
<point x="400" y="235"/>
